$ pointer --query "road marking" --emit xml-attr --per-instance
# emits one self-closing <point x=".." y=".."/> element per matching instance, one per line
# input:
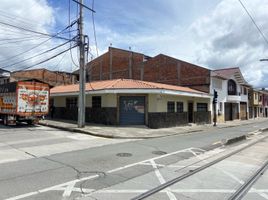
<point x="68" y="190"/>
<point x="161" y="179"/>
<point x="56" y="187"/>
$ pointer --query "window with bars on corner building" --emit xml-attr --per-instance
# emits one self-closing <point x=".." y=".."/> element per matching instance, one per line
<point x="171" y="106"/>
<point x="202" y="107"/>
<point x="179" y="107"/>
<point x="71" y="102"/>
<point x="96" y="102"/>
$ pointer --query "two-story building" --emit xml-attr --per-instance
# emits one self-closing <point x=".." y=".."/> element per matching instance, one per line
<point x="232" y="89"/>
<point x="4" y="76"/>
<point x="265" y="102"/>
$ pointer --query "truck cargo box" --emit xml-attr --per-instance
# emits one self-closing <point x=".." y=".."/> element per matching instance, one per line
<point x="24" y="100"/>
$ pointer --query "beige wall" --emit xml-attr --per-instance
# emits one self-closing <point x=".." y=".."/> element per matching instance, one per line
<point x="59" y="101"/>
<point x="107" y="100"/>
<point x="158" y="103"/>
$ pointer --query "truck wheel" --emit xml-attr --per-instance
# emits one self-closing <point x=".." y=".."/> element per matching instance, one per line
<point x="30" y="122"/>
<point x="5" y="121"/>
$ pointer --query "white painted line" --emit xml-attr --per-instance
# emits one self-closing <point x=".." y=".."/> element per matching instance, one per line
<point x="148" y="160"/>
<point x="203" y="191"/>
<point x="68" y="190"/>
<point x="149" y="164"/>
<point x="265" y="196"/>
<point x="23" y="196"/>
<point x="56" y="187"/>
<point x="161" y="179"/>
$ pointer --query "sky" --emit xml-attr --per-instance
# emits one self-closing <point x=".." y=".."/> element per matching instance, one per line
<point x="211" y="33"/>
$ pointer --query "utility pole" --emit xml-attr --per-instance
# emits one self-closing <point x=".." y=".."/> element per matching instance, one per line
<point x="82" y="97"/>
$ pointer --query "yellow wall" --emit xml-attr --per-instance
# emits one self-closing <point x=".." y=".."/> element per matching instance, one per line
<point x="59" y="101"/>
<point x="107" y="100"/>
<point x="158" y="103"/>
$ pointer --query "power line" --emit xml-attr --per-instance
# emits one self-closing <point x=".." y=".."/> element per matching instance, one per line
<point x="265" y="39"/>
<point x="32" y="48"/>
<point x="19" y="41"/>
<point x="44" y="52"/>
<point x="48" y="59"/>
<point x="69" y="18"/>
<point x="32" y="31"/>
<point x="94" y="29"/>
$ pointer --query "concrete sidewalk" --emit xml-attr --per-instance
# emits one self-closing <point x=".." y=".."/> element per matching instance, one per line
<point x="139" y="132"/>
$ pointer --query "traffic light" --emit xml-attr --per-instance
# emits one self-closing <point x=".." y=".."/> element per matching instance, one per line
<point x="215" y="96"/>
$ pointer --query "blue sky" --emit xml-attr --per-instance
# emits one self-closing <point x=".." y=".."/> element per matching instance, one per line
<point x="211" y="33"/>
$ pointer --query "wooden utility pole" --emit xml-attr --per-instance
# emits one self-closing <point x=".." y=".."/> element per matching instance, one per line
<point x="82" y="97"/>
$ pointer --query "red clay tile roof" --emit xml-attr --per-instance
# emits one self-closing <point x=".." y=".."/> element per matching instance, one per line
<point x="121" y="84"/>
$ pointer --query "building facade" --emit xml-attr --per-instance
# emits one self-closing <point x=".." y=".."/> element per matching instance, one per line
<point x="4" y="76"/>
<point x="134" y="102"/>
<point x="118" y="63"/>
<point x="53" y="78"/>
<point x="233" y="94"/>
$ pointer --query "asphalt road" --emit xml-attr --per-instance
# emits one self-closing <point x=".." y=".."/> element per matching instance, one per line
<point x="45" y="163"/>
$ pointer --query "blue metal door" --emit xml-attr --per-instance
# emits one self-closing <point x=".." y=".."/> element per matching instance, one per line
<point x="132" y="110"/>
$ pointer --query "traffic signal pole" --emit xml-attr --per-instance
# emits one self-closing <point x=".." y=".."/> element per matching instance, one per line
<point x="215" y="96"/>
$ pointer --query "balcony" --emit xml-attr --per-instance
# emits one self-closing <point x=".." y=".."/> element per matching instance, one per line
<point x="233" y="98"/>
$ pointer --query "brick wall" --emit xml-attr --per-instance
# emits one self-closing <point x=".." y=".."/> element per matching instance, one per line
<point x="50" y="77"/>
<point x="118" y="63"/>
<point x="114" y="64"/>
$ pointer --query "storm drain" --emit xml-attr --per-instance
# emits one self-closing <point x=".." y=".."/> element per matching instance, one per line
<point x="159" y="152"/>
<point x="124" y="154"/>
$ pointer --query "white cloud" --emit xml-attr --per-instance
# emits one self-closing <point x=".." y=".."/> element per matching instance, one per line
<point x="227" y="38"/>
<point x="36" y="15"/>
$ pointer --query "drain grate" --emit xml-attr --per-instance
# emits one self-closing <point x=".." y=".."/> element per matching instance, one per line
<point x="159" y="152"/>
<point x="124" y="154"/>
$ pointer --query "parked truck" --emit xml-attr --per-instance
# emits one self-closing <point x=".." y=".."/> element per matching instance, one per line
<point x="23" y="101"/>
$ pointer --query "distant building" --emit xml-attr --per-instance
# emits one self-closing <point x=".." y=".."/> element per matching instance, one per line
<point x="4" y="76"/>
<point x="233" y="90"/>
<point x="53" y="78"/>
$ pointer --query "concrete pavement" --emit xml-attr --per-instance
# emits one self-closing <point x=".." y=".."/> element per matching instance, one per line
<point x="35" y="178"/>
<point x="140" y="132"/>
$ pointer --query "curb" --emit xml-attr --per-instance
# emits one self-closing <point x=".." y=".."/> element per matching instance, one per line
<point x="77" y="130"/>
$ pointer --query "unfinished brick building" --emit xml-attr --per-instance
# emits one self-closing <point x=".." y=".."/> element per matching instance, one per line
<point x="118" y="63"/>
<point x="53" y="78"/>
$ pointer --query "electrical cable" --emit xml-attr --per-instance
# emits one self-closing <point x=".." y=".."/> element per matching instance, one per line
<point x="258" y="28"/>
<point x="44" y="52"/>
<point x="32" y="31"/>
<point x="69" y="18"/>
<point x="94" y="29"/>
<point x="50" y="58"/>
<point x="34" y="47"/>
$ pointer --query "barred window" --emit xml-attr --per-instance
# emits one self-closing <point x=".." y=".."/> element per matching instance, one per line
<point x="171" y="106"/>
<point x="96" y="102"/>
<point x="179" y="107"/>
<point x="202" y="107"/>
<point x="71" y="102"/>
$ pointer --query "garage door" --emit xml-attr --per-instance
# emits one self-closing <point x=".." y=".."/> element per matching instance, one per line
<point x="243" y="110"/>
<point x="132" y="110"/>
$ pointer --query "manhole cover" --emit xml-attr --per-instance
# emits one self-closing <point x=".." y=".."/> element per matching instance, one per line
<point x="124" y="154"/>
<point x="159" y="152"/>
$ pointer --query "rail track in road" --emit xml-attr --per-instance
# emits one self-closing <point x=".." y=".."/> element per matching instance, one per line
<point x="242" y="191"/>
<point x="238" y="194"/>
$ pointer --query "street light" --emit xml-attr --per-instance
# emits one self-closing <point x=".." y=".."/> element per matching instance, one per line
<point x="264" y="59"/>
